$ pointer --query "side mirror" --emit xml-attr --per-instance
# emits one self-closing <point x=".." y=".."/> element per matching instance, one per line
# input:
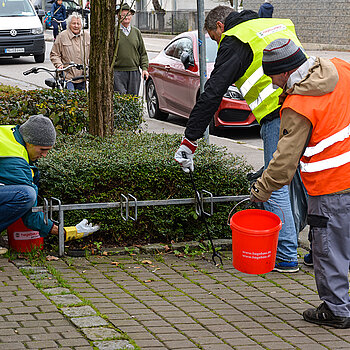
<point x="187" y="59"/>
<point x="40" y="12"/>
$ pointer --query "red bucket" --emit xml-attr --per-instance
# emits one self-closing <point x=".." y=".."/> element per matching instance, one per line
<point x="22" y="239"/>
<point x="254" y="240"/>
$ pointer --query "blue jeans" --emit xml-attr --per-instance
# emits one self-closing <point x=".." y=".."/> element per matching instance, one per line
<point x="76" y="86"/>
<point x="55" y="27"/>
<point x="288" y="238"/>
<point x="15" y="201"/>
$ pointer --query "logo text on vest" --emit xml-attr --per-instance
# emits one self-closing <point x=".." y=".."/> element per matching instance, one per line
<point x="271" y="30"/>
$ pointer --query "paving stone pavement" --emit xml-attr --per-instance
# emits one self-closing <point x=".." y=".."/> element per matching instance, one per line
<point x="161" y="302"/>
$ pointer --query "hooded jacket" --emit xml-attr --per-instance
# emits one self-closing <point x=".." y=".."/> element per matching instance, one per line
<point x="58" y="11"/>
<point x="266" y="10"/>
<point x="316" y="77"/>
<point x="232" y="60"/>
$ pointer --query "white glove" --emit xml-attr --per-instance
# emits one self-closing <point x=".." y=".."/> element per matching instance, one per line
<point x="81" y="230"/>
<point x="184" y="155"/>
<point x="85" y="228"/>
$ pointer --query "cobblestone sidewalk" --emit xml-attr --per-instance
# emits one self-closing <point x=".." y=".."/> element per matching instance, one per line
<point x="160" y="302"/>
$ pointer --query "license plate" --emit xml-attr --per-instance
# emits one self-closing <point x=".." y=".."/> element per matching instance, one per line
<point x="15" y="50"/>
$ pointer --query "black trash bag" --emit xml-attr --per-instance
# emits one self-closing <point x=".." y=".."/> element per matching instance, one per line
<point x="298" y="200"/>
<point x="252" y="177"/>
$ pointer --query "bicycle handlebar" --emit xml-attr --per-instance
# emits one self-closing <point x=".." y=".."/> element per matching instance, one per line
<point x="30" y="71"/>
<point x="56" y="20"/>
<point x="36" y="70"/>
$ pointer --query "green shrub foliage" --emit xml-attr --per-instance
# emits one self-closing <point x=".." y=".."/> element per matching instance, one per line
<point x="67" y="109"/>
<point x="83" y="169"/>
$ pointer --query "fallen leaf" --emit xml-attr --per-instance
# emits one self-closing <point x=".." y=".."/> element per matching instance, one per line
<point x="158" y="268"/>
<point x="51" y="257"/>
<point x="116" y="263"/>
<point x="147" y="262"/>
<point x="148" y="281"/>
<point x="166" y="247"/>
<point x="105" y="253"/>
<point x="137" y="267"/>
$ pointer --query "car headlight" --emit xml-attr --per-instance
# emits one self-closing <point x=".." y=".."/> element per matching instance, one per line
<point x="233" y="93"/>
<point x="38" y="30"/>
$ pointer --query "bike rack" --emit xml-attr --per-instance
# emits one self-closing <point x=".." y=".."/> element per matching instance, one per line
<point x="125" y="203"/>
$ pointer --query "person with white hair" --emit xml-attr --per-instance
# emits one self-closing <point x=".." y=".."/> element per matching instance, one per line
<point x="72" y="45"/>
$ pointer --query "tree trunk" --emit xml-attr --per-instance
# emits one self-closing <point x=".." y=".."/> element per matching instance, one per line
<point x="160" y="14"/>
<point x="100" y="70"/>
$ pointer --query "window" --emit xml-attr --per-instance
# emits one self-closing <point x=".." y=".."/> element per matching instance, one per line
<point x="211" y="48"/>
<point x="16" y="8"/>
<point x="176" y="48"/>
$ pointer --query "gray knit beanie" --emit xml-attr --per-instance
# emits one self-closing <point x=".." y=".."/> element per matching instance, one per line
<point x="282" y="55"/>
<point x="38" y="131"/>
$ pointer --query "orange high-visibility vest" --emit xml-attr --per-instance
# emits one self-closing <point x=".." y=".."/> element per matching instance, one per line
<point x="325" y="165"/>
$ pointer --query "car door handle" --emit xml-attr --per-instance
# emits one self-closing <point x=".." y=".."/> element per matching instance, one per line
<point x="167" y="67"/>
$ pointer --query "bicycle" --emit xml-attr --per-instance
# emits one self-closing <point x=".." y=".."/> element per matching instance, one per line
<point x="60" y="26"/>
<point x="57" y="80"/>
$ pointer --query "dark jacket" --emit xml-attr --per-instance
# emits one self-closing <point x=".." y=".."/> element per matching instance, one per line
<point x="58" y="11"/>
<point x="266" y="10"/>
<point x="233" y="59"/>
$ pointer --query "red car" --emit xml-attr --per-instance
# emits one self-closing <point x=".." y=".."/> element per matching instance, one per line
<point x="173" y="85"/>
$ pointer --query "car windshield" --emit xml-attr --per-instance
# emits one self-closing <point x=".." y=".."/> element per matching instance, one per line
<point x="15" y="8"/>
<point x="211" y="48"/>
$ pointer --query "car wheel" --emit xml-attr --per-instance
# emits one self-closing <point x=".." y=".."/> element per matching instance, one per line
<point x="39" y="58"/>
<point x="152" y="102"/>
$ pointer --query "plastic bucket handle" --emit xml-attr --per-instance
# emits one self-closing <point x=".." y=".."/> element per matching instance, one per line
<point x="246" y="199"/>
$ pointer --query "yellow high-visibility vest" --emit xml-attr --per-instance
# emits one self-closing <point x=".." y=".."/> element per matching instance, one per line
<point x="255" y="86"/>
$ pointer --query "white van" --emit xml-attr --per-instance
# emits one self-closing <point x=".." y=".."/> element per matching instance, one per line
<point x="21" y="32"/>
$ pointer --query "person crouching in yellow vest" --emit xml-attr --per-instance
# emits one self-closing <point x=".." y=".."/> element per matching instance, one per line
<point x="20" y="147"/>
<point x="315" y="129"/>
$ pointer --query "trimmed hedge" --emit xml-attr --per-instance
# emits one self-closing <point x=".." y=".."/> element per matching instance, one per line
<point x="83" y="169"/>
<point x="67" y="109"/>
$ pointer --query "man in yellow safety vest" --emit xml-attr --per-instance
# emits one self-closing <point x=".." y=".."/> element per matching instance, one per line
<point x="242" y="37"/>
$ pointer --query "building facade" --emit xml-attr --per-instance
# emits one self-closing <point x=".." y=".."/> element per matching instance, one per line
<point x="320" y="24"/>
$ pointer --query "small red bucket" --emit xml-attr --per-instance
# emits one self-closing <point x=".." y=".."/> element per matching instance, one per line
<point x="22" y="239"/>
<point x="254" y="240"/>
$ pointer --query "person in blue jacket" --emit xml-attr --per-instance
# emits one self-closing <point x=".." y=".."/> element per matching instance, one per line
<point x="58" y="13"/>
<point x="20" y="147"/>
<point x="266" y="10"/>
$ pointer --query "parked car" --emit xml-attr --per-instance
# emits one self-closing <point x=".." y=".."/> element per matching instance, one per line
<point x="71" y="6"/>
<point x="21" y="32"/>
<point x="174" y="85"/>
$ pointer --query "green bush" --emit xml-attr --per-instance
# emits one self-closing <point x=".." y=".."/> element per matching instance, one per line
<point x="83" y="169"/>
<point x="67" y="109"/>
